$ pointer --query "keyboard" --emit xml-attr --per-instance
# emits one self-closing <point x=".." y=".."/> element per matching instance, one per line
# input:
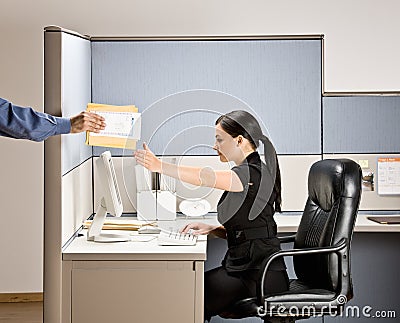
<point x="176" y="239"/>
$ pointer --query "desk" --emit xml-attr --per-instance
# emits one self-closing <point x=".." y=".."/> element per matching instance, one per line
<point x="133" y="281"/>
<point x="143" y="282"/>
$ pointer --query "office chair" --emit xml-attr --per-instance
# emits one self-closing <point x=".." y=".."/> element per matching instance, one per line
<point x="321" y="254"/>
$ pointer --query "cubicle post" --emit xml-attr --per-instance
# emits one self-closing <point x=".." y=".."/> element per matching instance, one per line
<point x="68" y="161"/>
<point x="52" y="183"/>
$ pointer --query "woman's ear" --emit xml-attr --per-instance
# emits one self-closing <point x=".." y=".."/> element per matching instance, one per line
<point x="240" y="140"/>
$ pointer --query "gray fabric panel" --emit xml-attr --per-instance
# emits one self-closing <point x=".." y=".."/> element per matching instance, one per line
<point x="362" y="124"/>
<point x="280" y="80"/>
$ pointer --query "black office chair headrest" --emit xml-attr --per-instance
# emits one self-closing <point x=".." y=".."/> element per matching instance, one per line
<point x="327" y="180"/>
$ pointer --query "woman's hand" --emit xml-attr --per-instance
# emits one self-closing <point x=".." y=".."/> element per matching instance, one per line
<point x="147" y="159"/>
<point x="198" y="228"/>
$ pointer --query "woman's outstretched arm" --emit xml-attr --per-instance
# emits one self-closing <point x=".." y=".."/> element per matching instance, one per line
<point x="222" y="179"/>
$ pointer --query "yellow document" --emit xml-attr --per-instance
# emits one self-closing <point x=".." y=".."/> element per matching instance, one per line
<point x="122" y="126"/>
<point x="120" y="224"/>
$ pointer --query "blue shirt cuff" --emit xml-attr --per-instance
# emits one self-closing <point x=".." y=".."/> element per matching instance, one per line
<point x="63" y="126"/>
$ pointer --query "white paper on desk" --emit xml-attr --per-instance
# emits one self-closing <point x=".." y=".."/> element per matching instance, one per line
<point x="120" y="124"/>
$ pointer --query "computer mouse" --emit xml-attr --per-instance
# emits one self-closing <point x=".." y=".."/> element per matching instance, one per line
<point x="149" y="229"/>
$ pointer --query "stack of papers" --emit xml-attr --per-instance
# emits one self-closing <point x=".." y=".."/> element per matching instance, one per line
<point x="120" y="224"/>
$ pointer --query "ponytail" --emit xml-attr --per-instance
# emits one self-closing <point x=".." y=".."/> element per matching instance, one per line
<point x="271" y="160"/>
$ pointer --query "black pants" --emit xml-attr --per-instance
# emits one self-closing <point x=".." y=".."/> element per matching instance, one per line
<point x="222" y="290"/>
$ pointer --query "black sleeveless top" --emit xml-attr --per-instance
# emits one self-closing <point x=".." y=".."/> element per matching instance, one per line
<point x="249" y="241"/>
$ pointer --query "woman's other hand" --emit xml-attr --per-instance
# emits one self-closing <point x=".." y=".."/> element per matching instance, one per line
<point x="147" y="159"/>
<point x="198" y="228"/>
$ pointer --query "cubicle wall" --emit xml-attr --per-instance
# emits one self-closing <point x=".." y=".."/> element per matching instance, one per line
<point x="181" y="86"/>
<point x="361" y="124"/>
<point x="363" y="128"/>
<point x="76" y="160"/>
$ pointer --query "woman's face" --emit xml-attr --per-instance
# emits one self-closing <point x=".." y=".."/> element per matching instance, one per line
<point x="225" y="144"/>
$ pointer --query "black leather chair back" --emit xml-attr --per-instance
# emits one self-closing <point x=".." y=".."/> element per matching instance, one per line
<point x="334" y="189"/>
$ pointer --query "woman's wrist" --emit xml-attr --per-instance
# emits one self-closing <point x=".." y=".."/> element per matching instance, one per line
<point x="219" y="231"/>
<point x="166" y="168"/>
<point x="159" y="166"/>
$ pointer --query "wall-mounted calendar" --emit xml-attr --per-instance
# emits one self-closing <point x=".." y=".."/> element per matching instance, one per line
<point x="389" y="176"/>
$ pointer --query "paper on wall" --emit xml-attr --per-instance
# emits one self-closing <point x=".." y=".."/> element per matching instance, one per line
<point x="389" y="176"/>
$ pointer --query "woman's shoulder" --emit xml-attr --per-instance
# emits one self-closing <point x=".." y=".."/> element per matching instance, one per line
<point x="248" y="172"/>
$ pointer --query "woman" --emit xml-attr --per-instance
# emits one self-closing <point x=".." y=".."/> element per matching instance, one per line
<point x="245" y="210"/>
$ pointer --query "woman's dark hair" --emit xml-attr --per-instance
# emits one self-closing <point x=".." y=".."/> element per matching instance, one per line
<point x="242" y="123"/>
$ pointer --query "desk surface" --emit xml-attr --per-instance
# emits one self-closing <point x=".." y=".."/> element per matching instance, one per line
<point x="81" y="249"/>
<point x="365" y="225"/>
<point x="289" y="223"/>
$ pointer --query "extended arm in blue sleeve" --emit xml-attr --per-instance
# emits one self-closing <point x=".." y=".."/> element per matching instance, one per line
<point x="26" y="123"/>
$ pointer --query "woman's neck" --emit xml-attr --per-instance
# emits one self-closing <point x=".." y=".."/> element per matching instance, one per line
<point x="243" y="157"/>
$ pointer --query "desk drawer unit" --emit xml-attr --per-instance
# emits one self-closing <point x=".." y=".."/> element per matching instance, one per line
<point x="133" y="291"/>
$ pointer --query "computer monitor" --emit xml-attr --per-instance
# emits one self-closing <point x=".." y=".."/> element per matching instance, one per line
<point x="110" y="202"/>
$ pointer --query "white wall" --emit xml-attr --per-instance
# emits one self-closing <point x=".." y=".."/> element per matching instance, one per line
<point x="361" y="50"/>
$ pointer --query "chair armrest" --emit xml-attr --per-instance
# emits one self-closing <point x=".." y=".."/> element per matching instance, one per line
<point x="287" y="239"/>
<point x="294" y="252"/>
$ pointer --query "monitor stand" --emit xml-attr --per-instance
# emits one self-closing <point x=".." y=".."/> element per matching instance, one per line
<point x="94" y="232"/>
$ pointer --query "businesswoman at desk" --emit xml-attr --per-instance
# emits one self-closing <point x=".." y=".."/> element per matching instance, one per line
<point x="245" y="210"/>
